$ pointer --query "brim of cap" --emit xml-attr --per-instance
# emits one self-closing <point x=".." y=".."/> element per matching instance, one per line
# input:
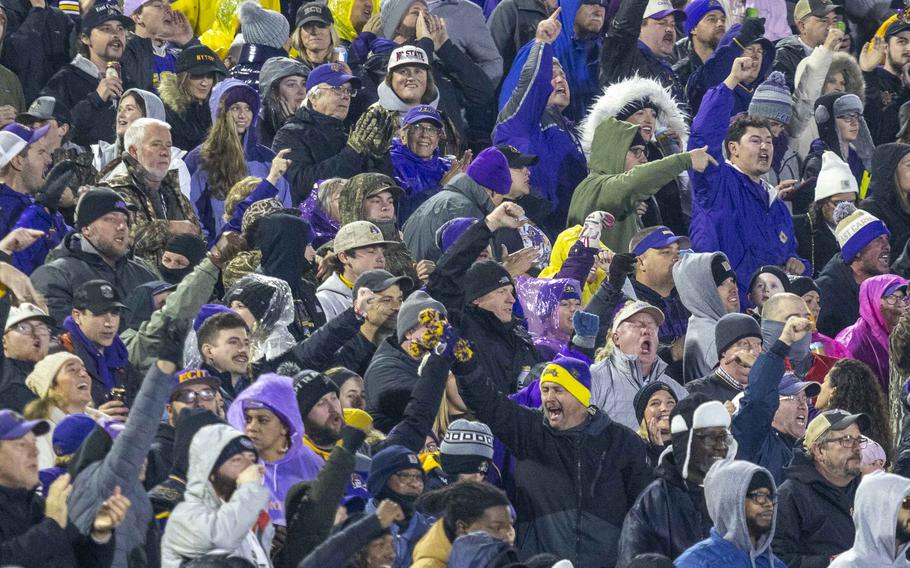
<point x="24" y="117"/>
<point x="859" y="419"/>
<point x="369" y="244"/>
<point x="393" y="189"/>
<point x="812" y="389"/>
<point x="100" y="307"/>
<point x="308" y="19"/>
<point x="127" y="22"/>
<point x="403" y="63"/>
<point x="827" y="10"/>
<point x="209" y="381"/>
<point x="679" y="14"/>
<point x="39" y="133"/>
<point x="342" y="79"/>
<point x="39" y="427"/>
<point x="424" y="118"/>
<point x="403" y="282"/>
<point x="46" y="319"/>
<point x="523" y="161"/>
<point x="654" y="311"/>
<point x="204" y="69"/>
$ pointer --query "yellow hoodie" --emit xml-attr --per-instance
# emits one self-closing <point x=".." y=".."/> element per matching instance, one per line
<point x="432" y="551"/>
<point x="215" y="21"/>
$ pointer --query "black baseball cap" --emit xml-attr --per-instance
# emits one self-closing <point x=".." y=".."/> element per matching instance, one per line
<point x="98" y="295"/>
<point x="314" y="12"/>
<point x="379" y="280"/>
<point x="516" y="159"/>
<point x="101" y="13"/>
<point x="199" y="60"/>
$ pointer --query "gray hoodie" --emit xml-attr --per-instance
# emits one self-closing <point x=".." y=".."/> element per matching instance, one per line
<point x="878" y="500"/>
<point x="726" y="485"/>
<point x="695" y="284"/>
<point x="204" y="523"/>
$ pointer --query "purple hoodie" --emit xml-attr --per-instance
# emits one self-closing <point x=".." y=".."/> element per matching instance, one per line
<point x="276" y="393"/>
<point x="867" y="339"/>
<point x="540" y="303"/>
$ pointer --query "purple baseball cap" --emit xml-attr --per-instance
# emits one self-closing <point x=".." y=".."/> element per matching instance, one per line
<point x="791" y="385"/>
<point x="332" y="74"/>
<point x="660" y="238"/>
<point x="422" y="112"/>
<point x="13" y="426"/>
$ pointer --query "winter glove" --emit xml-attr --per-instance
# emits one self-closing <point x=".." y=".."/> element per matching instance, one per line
<point x="622" y="266"/>
<point x="364" y="131"/>
<point x="753" y="29"/>
<point x="379" y="142"/>
<point x="170" y="340"/>
<point x="352" y="438"/>
<point x="63" y="175"/>
<point x="586" y="327"/>
<point x="593" y="225"/>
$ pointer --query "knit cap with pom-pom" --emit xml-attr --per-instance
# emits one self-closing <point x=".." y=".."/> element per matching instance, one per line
<point x="263" y="27"/>
<point x="855" y="229"/>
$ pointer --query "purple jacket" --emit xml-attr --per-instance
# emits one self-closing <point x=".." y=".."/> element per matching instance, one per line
<point x="867" y="339"/>
<point x="276" y="393"/>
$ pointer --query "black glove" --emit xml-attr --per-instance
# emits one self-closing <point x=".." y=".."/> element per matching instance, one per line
<point x="752" y="30"/>
<point x="63" y="175"/>
<point x="621" y="267"/>
<point x="352" y="438"/>
<point x="170" y="340"/>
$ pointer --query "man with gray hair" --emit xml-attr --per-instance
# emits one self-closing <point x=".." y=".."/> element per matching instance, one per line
<point x="158" y="209"/>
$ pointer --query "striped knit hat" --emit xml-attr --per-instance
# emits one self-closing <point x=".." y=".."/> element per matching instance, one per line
<point x="856" y="230"/>
<point x="772" y="99"/>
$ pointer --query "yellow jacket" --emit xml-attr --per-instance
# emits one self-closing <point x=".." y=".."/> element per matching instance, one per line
<point x="215" y="21"/>
<point x="432" y="551"/>
<point x="560" y="253"/>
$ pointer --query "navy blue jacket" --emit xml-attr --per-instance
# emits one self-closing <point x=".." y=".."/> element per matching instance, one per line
<point x="12" y="204"/>
<point x="758" y="442"/>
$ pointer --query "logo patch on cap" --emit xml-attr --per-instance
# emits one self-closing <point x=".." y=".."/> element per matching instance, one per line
<point x="413" y="459"/>
<point x="504" y="280"/>
<point x="191" y="374"/>
<point x="726" y="265"/>
<point x="121" y="204"/>
<point x="107" y="292"/>
<point x="204" y="58"/>
<point x="247" y="443"/>
<point x="317" y="9"/>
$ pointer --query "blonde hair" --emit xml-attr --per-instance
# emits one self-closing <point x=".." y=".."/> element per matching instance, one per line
<point x="297" y="44"/>
<point x="40" y="409"/>
<point x="240" y="191"/>
<point x="222" y="155"/>
<point x="174" y="91"/>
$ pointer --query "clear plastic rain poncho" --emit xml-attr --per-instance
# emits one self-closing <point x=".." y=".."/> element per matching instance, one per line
<point x="539" y="298"/>
<point x="272" y="304"/>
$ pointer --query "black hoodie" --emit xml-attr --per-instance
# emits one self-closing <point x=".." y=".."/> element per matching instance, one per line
<point x="883" y="200"/>
<point x="282" y="238"/>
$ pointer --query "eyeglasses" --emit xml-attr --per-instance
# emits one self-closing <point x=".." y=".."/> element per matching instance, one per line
<point x="340" y="90"/>
<point x="715" y="439"/>
<point x="761" y="498"/>
<point x="637" y="151"/>
<point x="851" y="118"/>
<point x="894" y="300"/>
<point x="39" y="329"/>
<point x="190" y="397"/>
<point x="431" y="131"/>
<point x="408" y="477"/>
<point x="798" y="398"/>
<point x="848" y="441"/>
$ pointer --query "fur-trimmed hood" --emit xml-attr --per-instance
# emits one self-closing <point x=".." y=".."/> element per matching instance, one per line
<point x="616" y="96"/>
<point x="853" y="75"/>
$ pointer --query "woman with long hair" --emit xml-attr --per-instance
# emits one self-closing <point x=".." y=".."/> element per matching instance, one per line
<point x="186" y="95"/>
<point x="229" y="153"/>
<point x="852" y="386"/>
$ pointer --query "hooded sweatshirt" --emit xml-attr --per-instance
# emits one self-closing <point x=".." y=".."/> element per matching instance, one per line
<point x="276" y="393"/>
<point x="730" y="545"/>
<point x="232" y="527"/>
<point x="698" y="292"/>
<point x="580" y="59"/>
<point x="867" y="339"/>
<point x="884" y="200"/>
<point x="875" y="510"/>
<point x="258" y="159"/>
<point x="610" y="187"/>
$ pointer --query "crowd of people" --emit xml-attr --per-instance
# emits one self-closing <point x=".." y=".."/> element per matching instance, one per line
<point x="464" y="283"/>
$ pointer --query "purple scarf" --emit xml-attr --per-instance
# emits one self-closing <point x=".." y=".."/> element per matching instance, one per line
<point x="108" y="360"/>
<point x="414" y="174"/>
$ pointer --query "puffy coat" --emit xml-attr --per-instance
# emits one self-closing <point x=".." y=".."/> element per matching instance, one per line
<point x="319" y="150"/>
<point x="573" y="487"/>
<point x="884" y="197"/>
<point x="814" y="518"/>
<point x="839" y="297"/>
<point x="885" y="93"/>
<point x="668" y="517"/>
<point x="461" y="197"/>
<point x="789" y="53"/>
<point x="209" y="208"/>
<point x="527" y="123"/>
<point x="75" y="261"/>
<point x="609" y="187"/>
<point x="730" y="212"/>
<point x="234" y="527"/>
<point x="868" y="338"/>
<point x="432" y="551"/>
